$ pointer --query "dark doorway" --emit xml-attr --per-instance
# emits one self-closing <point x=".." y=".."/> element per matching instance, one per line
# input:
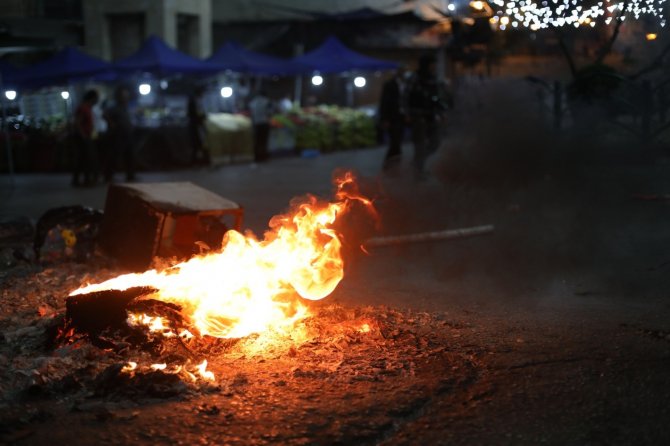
<point x="126" y="33"/>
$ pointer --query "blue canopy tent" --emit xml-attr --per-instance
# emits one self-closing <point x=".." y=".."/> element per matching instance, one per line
<point x="67" y="66"/>
<point x="157" y="58"/>
<point x="63" y="68"/>
<point x="9" y="75"/>
<point x="333" y="57"/>
<point x="233" y="57"/>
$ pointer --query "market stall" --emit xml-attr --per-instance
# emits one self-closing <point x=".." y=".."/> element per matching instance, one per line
<point x="325" y="128"/>
<point x="229" y="137"/>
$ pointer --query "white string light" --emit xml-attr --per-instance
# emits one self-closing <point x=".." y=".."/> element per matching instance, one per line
<point x="542" y="14"/>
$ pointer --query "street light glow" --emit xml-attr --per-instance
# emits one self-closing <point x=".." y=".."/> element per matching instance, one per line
<point x="145" y="89"/>
<point x="478" y="5"/>
<point x="10" y="94"/>
<point x="226" y="92"/>
<point x="359" y="81"/>
<point x="317" y="80"/>
<point x="65" y="95"/>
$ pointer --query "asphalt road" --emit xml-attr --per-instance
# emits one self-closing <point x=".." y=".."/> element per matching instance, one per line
<point x="560" y="317"/>
<point x="562" y="312"/>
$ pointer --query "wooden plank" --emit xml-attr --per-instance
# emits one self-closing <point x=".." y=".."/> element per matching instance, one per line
<point x="445" y="234"/>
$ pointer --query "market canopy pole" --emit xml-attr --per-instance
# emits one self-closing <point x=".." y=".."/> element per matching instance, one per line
<point x="298" y="50"/>
<point x="350" y="90"/>
<point x="5" y="131"/>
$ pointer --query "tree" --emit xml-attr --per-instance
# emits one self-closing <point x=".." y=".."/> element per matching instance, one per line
<point x="595" y="83"/>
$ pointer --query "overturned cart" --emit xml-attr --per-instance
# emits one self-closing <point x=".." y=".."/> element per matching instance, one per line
<point x="148" y="220"/>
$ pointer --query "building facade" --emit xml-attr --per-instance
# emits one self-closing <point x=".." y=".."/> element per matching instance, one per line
<point x="116" y="28"/>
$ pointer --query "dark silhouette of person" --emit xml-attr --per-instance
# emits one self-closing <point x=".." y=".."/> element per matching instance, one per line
<point x="261" y="108"/>
<point x="120" y="138"/>
<point x="196" y="127"/>
<point x="392" y="116"/>
<point x="426" y="100"/>
<point x="83" y="140"/>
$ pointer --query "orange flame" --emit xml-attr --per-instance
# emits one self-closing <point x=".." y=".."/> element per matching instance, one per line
<point x="204" y="373"/>
<point x="153" y="323"/>
<point x="248" y="286"/>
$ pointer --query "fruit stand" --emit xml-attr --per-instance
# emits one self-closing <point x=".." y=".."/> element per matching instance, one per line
<point x="326" y="128"/>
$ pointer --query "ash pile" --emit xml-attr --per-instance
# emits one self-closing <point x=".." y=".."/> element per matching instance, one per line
<point x="74" y="351"/>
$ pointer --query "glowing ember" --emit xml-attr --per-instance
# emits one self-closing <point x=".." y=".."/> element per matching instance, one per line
<point x="250" y="285"/>
<point x="185" y="334"/>
<point x="204" y="373"/>
<point x="365" y="328"/>
<point x="153" y="323"/>
<point x="129" y="367"/>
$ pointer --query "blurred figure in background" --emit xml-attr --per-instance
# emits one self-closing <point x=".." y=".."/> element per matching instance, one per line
<point x="196" y="127"/>
<point x="119" y="136"/>
<point x="99" y="137"/>
<point x="84" y="130"/>
<point x="427" y="101"/>
<point x="261" y="109"/>
<point x="285" y="104"/>
<point x="392" y="116"/>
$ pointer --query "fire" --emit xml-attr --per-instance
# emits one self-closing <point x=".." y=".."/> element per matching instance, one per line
<point x="129" y="367"/>
<point x="250" y="285"/>
<point x="365" y="328"/>
<point x="204" y="373"/>
<point x="153" y="323"/>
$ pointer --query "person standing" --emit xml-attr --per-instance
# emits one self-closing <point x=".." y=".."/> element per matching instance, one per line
<point x="392" y="116"/>
<point x="196" y="127"/>
<point x="427" y="101"/>
<point x="119" y="136"/>
<point x="99" y="138"/>
<point x="83" y="140"/>
<point x="261" y="109"/>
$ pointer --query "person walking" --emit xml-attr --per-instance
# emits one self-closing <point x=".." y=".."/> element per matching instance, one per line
<point x="196" y="127"/>
<point x="261" y="109"/>
<point x="392" y="116"/>
<point x="83" y="140"/>
<point x="119" y="136"/>
<point x="427" y="101"/>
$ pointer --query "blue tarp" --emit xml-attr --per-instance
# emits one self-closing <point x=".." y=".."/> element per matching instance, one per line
<point x="333" y="57"/>
<point x="9" y="74"/>
<point x="233" y="57"/>
<point x="66" y="66"/>
<point x="156" y="57"/>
